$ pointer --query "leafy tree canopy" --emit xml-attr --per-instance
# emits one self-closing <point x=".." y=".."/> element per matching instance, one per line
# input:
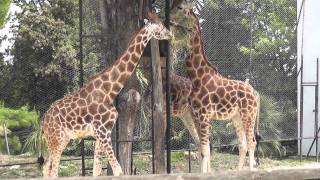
<point x="44" y="53"/>
<point x="4" y="8"/>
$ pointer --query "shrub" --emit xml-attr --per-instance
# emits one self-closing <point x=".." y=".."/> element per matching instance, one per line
<point x="14" y="145"/>
<point x="11" y="119"/>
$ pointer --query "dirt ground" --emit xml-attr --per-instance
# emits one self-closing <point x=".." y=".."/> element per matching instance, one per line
<point x="142" y="165"/>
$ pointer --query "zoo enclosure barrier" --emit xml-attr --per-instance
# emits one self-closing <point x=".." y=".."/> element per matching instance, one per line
<point x="231" y="33"/>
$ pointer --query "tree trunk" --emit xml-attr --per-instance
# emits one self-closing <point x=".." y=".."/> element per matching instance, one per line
<point x="158" y="115"/>
<point x="119" y="21"/>
<point x="129" y="104"/>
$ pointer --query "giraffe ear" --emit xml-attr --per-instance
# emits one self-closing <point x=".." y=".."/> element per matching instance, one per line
<point x="146" y="21"/>
<point x="152" y="16"/>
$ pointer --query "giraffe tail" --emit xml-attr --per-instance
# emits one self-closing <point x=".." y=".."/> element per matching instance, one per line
<point x="40" y="159"/>
<point x="257" y="134"/>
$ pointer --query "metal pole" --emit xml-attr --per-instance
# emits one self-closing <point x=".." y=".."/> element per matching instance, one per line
<point x="81" y="76"/>
<point x="316" y="111"/>
<point x="301" y="109"/>
<point x="301" y="85"/>
<point x="168" y="130"/>
<point x="152" y="105"/>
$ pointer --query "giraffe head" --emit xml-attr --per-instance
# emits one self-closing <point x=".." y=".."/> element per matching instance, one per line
<point x="156" y="28"/>
<point x="186" y="6"/>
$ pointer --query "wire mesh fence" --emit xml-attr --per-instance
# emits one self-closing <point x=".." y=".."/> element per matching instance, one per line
<point x="252" y="40"/>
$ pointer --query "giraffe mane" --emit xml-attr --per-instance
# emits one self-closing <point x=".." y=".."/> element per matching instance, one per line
<point x="201" y="42"/>
<point x="118" y="58"/>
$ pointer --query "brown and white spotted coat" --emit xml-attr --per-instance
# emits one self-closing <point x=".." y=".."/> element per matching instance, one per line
<point x="180" y="91"/>
<point x="215" y="97"/>
<point x="89" y="111"/>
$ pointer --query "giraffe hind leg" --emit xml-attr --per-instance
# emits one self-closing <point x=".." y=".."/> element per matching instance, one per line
<point x="242" y="141"/>
<point x="251" y="142"/>
<point x="56" y="147"/>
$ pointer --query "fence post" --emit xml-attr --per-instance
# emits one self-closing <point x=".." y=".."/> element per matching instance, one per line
<point x="317" y="111"/>
<point x="81" y="76"/>
<point x="158" y="117"/>
<point x="168" y="129"/>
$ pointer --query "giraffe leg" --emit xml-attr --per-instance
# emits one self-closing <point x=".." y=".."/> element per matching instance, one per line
<point x="251" y="141"/>
<point x="56" y="147"/>
<point x="205" y="146"/>
<point x="242" y="141"/>
<point x="103" y="134"/>
<point x="106" y="144"/>
<point x="189" y="123"/>
<point x="98" y="153"/>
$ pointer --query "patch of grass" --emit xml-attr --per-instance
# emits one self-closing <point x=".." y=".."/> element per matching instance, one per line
<point x="70" y="168"/>
<point x="143" y="164"/>
<point x="30" y="171"/>
<point x="223" y="161"/>
<point x="177" y="157"/>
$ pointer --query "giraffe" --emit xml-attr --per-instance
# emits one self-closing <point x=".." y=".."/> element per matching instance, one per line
<point x="90" y="111"/>
<point x="216" y="97"/>
<point x="180" y="91"/>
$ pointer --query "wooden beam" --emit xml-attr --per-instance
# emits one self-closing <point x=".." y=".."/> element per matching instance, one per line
<point x="129" y="104"/>
<point x="158" y="115"/>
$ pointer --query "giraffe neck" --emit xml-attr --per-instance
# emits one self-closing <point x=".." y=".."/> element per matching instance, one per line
<point x="117" y="75"/>
<point x="197" y="59"/>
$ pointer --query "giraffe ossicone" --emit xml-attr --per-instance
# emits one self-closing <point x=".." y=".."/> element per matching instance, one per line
<point x="89" y="111"/>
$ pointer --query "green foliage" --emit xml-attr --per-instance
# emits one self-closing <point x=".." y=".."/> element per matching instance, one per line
<point x="35" y="142"/>
<point x="271" y="118"/>
<point x="273" y="29"/>
<point x="21" y="117"/>
<point x="14" y="145"/>
<point x="179" y="134"/>
<point x="44" y="54"/>
<point x="177" y="157"/>
<point x="4" y="8"/>
<point x="16" y="118"/>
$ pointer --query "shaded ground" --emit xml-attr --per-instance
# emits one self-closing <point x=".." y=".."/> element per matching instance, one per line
<point x="143" y="165"/>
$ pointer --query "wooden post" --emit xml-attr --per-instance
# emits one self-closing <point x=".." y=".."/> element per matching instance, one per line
<point x="158" y="115"/>
<point x="129" y="104"/>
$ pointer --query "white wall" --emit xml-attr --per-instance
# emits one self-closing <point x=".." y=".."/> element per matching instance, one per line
<point x="308" y="45"/>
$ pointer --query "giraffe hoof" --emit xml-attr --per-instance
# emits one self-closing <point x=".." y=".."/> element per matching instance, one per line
<point x="118" y="172"/>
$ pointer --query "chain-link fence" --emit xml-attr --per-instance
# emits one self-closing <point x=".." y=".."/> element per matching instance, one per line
<point x="249" y="39"/>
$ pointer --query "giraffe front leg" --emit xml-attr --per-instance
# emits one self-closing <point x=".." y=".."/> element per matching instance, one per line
<point x="205" y="147"/>
<point x="98" y="153"/>
<point x="103" y="131"/>
<point x="105" y="139"/>
<point x="190" y="124"/>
